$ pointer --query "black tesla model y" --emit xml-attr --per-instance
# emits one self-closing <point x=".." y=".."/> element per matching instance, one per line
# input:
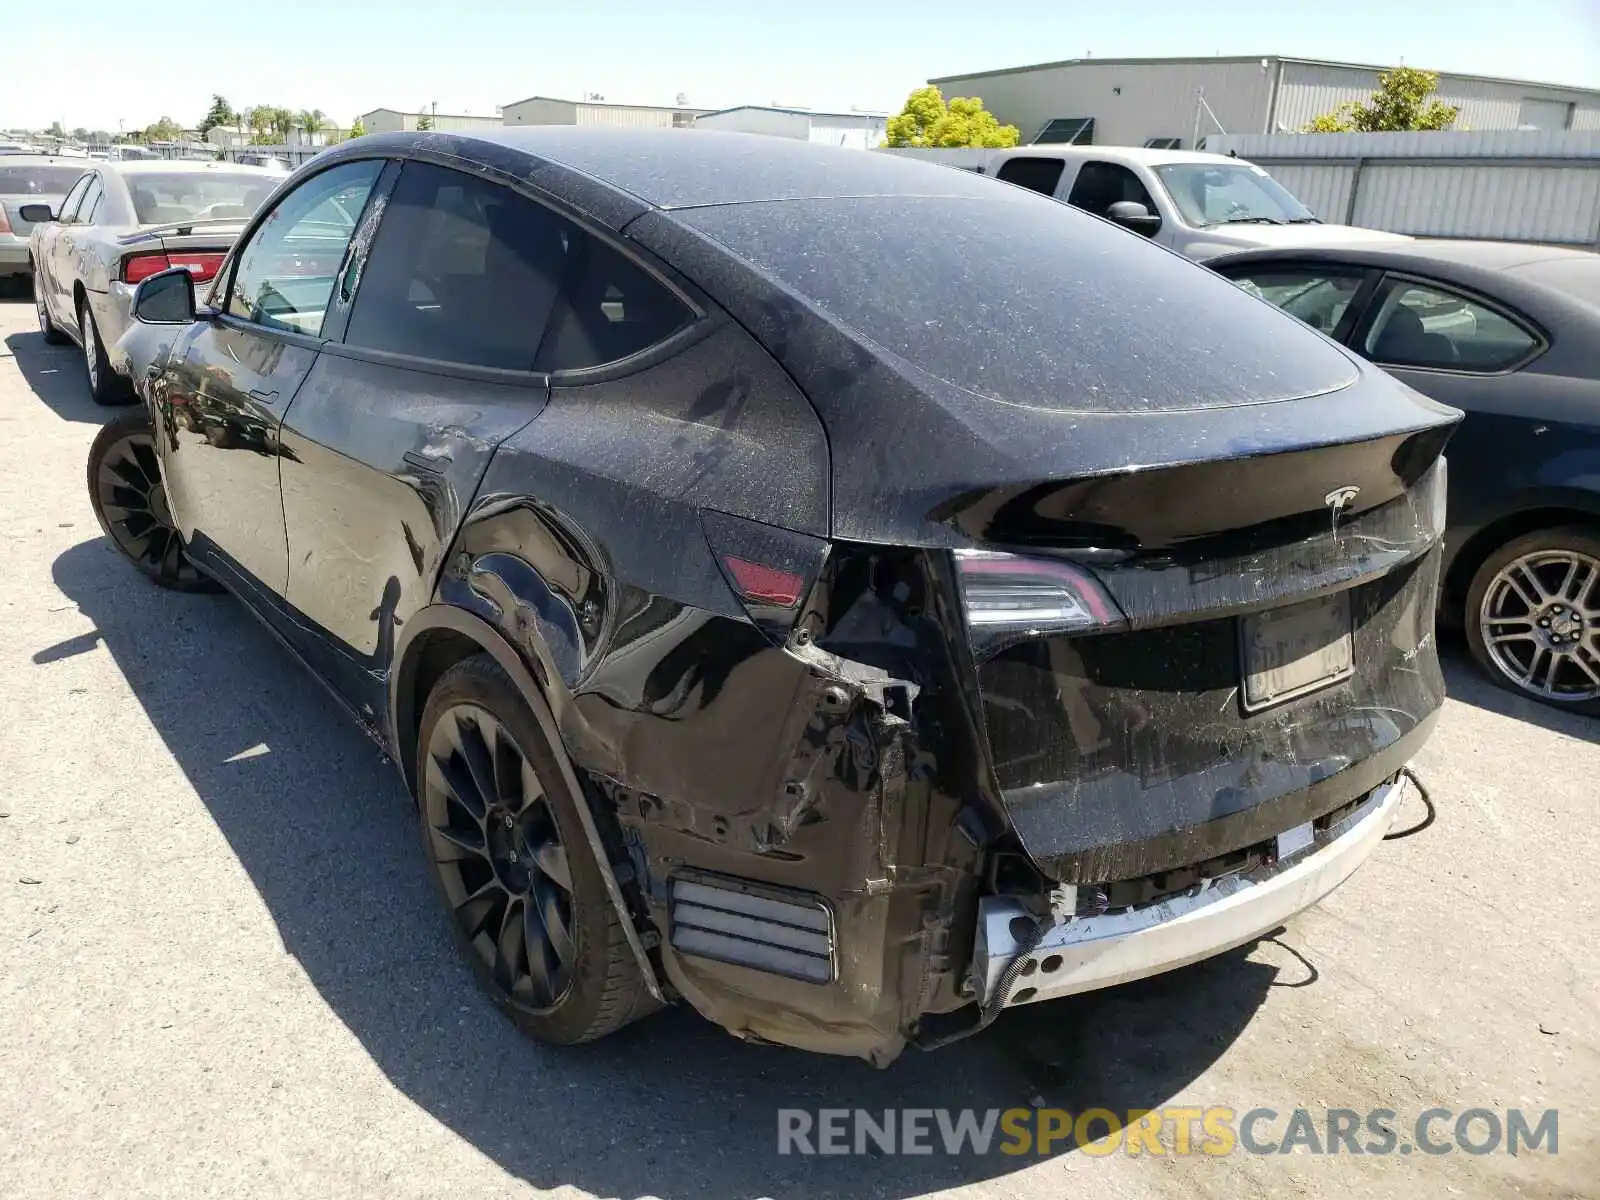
<point x="844" y="594"/>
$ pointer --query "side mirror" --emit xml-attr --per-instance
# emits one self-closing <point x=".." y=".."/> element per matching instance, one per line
<point x="165" y="299"/>
<point x="36" y="214"/>
<point x="1130" y="214"/>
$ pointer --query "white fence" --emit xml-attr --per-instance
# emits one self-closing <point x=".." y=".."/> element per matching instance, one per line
<point x="1515" y="186"/>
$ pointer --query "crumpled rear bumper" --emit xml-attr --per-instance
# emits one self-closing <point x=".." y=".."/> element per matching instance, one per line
<point x="1080" y="954"/>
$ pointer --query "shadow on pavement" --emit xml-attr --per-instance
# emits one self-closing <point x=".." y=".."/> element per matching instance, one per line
<point x="1464" y="681"/>
<point x="670" y="1107"/>
<point x="55" y="373"/>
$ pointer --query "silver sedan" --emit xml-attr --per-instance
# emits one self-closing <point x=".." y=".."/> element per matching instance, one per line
<point x="122" y="222"/>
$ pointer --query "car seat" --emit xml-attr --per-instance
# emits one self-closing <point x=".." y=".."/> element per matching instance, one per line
<point x="1405" y="339"/>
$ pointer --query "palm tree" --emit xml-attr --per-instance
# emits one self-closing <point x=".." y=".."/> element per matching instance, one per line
<point x="312" y="120"/>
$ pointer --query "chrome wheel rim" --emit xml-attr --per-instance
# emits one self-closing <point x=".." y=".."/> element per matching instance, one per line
<point x="494" y="842"/>
<point x="89" y="343"/>
<point x="1540" y="620"/>
<point x="133" y="502"/>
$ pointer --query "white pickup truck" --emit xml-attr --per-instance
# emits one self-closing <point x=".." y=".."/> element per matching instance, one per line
<point x="1200" y="205"/>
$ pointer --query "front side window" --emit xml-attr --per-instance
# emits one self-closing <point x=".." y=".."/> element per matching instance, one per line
<point x="69" y="205"/>
<point x="1318" y="297"/>
<point x="1231" y="194"/>
<point x="1099" y="185"/>
<point x="465" y="270"/>
<point x="285" y="274"/>
<point x="1419" y="326"/>
<point x="91" y="201"/>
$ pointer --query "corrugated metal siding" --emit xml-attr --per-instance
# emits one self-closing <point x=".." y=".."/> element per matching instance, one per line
<point x="540" y="111"/>
<point x="609" y="116"/>
<point x="1505" y="143"/>
<point x="1157" y="99"/>
<point x="1523" y="204"/>
<point x="1323" y="188"/>
<point x="1311" y="89"/>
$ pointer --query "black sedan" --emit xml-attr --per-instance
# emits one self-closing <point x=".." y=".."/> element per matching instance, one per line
<point x="820" y="587"/>
<point x="1510" y="334"/>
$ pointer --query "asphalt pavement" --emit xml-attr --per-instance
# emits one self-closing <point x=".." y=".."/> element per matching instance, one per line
<point x="224" y="972"/>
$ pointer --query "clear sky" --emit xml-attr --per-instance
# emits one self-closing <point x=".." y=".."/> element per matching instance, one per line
<point x="134" y="61"/>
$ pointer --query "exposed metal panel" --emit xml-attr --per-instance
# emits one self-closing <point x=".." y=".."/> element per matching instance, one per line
<point x="1525" y="204"/>
<point x="1498" y="143"/>
<point x="540" y="111"/>
<point x="1155" y="99"/>
<point x="1323" y="188"/>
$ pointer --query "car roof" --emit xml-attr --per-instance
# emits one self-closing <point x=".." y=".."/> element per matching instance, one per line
<point x="1419" y="253"/>
<point x="40" y="160"/>
<point x="1139" y="154"/>
<point x="688" y="168"/>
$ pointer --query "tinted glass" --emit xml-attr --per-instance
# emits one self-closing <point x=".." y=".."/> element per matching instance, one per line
<point x="1099" y="185"/>
<point x="286" y="272"/>
<point x="1036" y="174"/>
<point x="36" y="181"/>
<point x="91" y="201"/>
<point x="465" y="270"/>
<point x="1026" y="301"/>
<point x="1319" y="298"/>
<point x="69" y="204"/>
<point x="1421" y="326"/>
<point x="161" y="198"/>
<point x="1234" y="193"/>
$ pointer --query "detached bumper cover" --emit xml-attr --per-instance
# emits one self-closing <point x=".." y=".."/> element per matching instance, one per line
<point x="1085" y="953"/>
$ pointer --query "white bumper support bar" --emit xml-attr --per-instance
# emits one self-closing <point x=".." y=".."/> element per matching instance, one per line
<point x="1084" y="953"/>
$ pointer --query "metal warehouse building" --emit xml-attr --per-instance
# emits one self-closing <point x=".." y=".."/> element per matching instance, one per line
<point x="1175" y="102"/>
<point x="862" y="130"/>
<point x="545" y="110"/>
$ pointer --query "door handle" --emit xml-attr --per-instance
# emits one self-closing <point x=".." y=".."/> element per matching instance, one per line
<point x="264" y="397"/>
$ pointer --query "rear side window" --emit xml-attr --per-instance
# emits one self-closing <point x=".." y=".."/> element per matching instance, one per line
<point x="1420" y="326"/>
<point x="69" y="203"/>
<point x="1317" y="296"/>
<point x="91" y="201"/>
<point x="1036" y="174"/>
<point x="468" y="271"/>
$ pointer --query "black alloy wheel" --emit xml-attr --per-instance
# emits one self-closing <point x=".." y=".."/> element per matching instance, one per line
<point x="525" y="897"/>
<point x="130" y="502"/>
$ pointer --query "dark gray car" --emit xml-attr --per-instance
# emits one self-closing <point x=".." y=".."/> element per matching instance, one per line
<point x="1510" y="334"/>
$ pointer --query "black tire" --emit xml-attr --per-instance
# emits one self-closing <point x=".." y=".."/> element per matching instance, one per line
<point x="105" y="385"/>
<point x="129" y="501"/>
<point x="490" y="797"/>
<point x="47" y="326"/>
<point x="1553" y="612"/>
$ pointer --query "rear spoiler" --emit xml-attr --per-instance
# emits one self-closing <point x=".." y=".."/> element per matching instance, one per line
<point x="181" y="228"/>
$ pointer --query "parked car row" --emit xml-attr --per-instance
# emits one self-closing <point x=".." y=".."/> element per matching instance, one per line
<point x="119" y="223"/>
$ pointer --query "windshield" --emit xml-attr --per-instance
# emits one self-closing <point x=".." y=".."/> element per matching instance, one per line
<point x="37" y="181"/>
<point x="1231" y="194"/>
<point x="162" y="198"/>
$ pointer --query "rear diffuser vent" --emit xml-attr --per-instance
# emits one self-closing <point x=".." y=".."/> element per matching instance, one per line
<point x="752" y="925"/>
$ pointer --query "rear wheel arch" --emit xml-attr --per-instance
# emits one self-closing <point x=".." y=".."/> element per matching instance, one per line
<point x="439" y="637"/>
<point x="1465" y="563"/>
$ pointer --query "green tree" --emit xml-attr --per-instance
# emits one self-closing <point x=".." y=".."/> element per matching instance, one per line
<point x="220" y="113"/>
<point x="312" y="120"/>
<point x="424" y="122"/>
<point x="358" y="128"/>
<point x="927" y="121"/>
<point x="80" y="134"/>
<point x="55" y="130"/>
<point x="260" y="120"/>
<point x="282" y="123"/>
<point x="164" y="130"/>
<point x="1401" y="103"/>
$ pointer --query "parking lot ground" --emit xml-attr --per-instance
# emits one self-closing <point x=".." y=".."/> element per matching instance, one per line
<point x="223" y="971"/>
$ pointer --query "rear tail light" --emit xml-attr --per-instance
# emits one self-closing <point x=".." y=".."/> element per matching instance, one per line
<point x="5" y="221"/>
<point x="202" y="265"/>
<point x="1009" y="597"/>
<point x="770" y="570"/>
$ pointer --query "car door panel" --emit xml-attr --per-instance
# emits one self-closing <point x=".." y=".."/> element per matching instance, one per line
<point x="378" y="464"/>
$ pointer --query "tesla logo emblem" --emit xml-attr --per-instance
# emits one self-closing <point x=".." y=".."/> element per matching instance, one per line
<point x="1339" y="499"/>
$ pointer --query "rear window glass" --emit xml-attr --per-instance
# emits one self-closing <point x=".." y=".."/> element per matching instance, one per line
<point x="1029" y="302"/>
<point x="37" y="181"/>
<point x="160" y="199"/>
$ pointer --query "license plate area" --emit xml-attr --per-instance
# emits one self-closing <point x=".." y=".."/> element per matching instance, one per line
<point x="1292" y="651"/>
